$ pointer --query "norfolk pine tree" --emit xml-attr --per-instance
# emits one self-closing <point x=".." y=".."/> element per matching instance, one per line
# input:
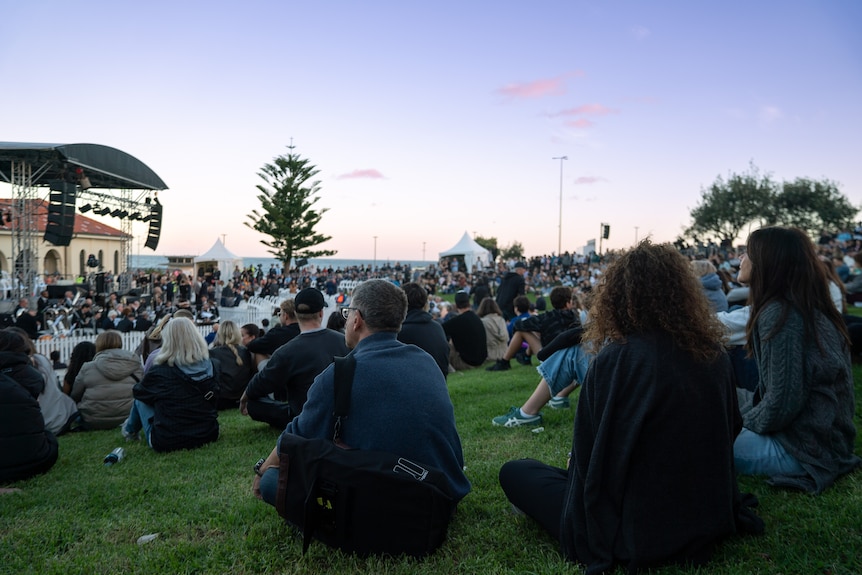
<point x="287" y="198"/>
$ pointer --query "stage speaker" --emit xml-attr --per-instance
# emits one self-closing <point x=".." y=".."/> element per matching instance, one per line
<point x="155" y="227"/>
<point x="61" y="213"/>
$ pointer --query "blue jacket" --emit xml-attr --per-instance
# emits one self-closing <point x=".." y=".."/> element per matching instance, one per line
<point x="399" y="403"/>
<point x="712" y="288"/>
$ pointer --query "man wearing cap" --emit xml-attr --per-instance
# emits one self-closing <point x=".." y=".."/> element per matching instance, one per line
<point x="287" y="329"/>
<point x="511" y="287"/>
<point x="292" y="368"/>
<point x="468" y="342"/>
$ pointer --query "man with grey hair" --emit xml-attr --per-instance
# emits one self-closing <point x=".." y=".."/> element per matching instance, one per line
<point x="399" y="401"/>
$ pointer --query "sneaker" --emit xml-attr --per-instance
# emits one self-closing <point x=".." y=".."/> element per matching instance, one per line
<point x="514" y="419"/>
<point x="523" y="358"/>
<point x="559" y="403"/>
<point x="499" y="365"/>
<point x="128" y="436"/>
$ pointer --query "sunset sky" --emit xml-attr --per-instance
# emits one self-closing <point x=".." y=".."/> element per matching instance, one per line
<point x="429" y="119"/>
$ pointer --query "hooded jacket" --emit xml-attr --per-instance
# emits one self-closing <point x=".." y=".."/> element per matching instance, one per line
<point x="420" y="329"/>
<point x="184" y="399"/>
<point x="103" y="388"/>
<point x="26" y="447"/>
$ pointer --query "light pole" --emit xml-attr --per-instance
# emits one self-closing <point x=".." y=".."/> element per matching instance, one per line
<point x="560" y="224"/>
<point x="374" y="265"/>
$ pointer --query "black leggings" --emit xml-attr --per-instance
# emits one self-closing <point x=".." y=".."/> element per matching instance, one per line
<point x="537" y="489"/>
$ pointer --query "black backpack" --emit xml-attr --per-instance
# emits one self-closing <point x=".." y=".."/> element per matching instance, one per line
<point x="363" y="502"/>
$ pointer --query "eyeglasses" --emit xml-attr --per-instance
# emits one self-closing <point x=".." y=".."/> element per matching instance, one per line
<point x="345" y="311"/>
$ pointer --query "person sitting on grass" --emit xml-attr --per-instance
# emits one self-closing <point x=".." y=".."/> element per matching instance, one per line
<point x="235" y="364"/>
<point x="103" y="387"/>
<point x="539" y="330"/>
<point x="495" y="328"/>
<point x="563" y="366"/>
<point x="466" y="333"/>
<point x="651" y="478"/>
<point x="798" y="422"/>
<point x="420" y="329"/>
<point x="175" y="403"/>
<point x="27" y="448"/>
<point x="522" y="308"/>
<point x="416" y="421"/>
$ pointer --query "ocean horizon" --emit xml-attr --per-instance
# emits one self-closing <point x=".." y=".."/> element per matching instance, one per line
<point x="139" y="261"/>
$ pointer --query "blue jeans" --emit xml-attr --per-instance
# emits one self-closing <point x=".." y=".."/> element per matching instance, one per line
<point x="269" y="485"/>
<point x="756" y="454"/>
<point x="564" y="367"/>
<point x="140" y="417"/>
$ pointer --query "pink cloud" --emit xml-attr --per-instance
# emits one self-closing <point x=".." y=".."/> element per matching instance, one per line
<point x="580" y="123"/>
<point x="355" y="174"/>
<point x="586" y="110"/>
<point x="586" y="180"/>
<point x="536" y="89"/>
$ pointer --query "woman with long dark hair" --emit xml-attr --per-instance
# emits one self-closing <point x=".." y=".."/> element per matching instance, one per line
<point x="798" y="422"/>
<point x="651" y="477"/>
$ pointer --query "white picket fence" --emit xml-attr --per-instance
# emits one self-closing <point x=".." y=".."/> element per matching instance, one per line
<point x="252" y="311"/>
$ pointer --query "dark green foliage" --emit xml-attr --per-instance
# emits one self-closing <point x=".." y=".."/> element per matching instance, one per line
<point x="729" y="207"/>
<point x="287" y="198"/>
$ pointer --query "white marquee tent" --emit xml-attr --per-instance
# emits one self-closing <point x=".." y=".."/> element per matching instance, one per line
<point x="475" y="256"/>
<point x="219" y="257"/>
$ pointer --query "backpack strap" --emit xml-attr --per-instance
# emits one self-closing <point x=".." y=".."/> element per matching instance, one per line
<point x="345" y="367"/>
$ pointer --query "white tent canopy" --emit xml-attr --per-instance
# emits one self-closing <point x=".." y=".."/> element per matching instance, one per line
<point x="219" y="257"/>
<point x="475" y="256"/>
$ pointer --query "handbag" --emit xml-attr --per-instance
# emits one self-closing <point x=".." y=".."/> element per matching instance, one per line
<point x="360" y="501"/>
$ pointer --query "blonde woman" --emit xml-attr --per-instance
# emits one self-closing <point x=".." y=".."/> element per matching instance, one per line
<point x="235" y="363"/>
<point x="175" y="403"/>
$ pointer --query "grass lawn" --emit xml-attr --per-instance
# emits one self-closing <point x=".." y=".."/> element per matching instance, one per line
<point x="82" y="517"/>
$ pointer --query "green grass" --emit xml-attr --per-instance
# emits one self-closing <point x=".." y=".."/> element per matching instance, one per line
<point x="82" y="517"/>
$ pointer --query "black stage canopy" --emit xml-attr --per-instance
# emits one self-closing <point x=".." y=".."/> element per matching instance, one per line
<point x="105" y="167"/>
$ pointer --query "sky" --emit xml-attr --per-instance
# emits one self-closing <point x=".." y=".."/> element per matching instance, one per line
<point x="429" y="119"/>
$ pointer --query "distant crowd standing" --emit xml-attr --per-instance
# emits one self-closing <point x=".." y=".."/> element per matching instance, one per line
<point x="692" y="369"/>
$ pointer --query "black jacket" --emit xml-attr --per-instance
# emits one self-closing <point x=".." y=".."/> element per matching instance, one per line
<point x="185" y="407"/>
<point x="420" y="329"/>
<point x="651" y="478"/>
<point x="26" y="447"/>
<point x="233" y="377"/>
<point x="274" y="339"/>
<point x="511" y="286"/>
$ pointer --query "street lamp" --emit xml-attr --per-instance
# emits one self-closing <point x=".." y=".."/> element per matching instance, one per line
<point x="560" y="224"/>
<point x="374" y="265"/>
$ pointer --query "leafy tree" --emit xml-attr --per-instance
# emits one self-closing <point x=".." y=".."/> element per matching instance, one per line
<point x="287" y="198"/>
<point x="515" y="251"/>
<point x="813" y="206"/>
<point x="727" y="207"/>
<point x="489" y="244"/>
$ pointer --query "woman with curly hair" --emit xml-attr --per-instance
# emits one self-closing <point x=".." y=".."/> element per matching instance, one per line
<point x="798" y="422"/>
<point x="650" y="479"/>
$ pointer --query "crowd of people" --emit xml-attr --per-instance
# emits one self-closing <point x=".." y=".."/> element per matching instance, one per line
<point x="691" y="369"/>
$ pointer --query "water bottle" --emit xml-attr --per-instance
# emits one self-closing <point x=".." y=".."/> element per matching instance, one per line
<point x="115" y="456"/>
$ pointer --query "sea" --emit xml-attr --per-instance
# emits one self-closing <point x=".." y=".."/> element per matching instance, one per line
<point x="144" y="262"/>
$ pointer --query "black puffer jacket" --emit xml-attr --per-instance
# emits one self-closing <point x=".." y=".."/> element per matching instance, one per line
<point x="26" y="447"/>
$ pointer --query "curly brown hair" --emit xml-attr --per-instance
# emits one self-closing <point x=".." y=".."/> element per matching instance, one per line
<point x="651" y="288"/>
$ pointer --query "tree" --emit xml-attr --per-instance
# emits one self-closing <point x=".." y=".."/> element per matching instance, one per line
<point x="726" y="207"/>
<point x="489" y="244"/>
<point x="515" y="251"/>
<point x="287" y="198"/>
<point x="813" y="206"/>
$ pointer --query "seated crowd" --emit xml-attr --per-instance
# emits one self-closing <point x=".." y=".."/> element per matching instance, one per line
<point x="684" y="384"/>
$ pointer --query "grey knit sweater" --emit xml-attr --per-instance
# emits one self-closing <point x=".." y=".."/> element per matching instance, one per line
<point x="805" y="397"/>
